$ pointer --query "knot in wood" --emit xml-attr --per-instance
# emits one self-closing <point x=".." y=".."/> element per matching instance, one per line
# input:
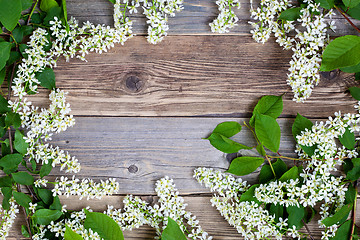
<point x="134" y="84"/>
<point x="133" y="169"/>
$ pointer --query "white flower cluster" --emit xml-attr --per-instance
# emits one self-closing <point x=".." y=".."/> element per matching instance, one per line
<point x="86" y="188"/>
<point x="7" y="218"/>
<point x="156" y="11"/>
<point x="227" y="18"/>
<point x="250" y="219"/>
<point x="137" y="212"/>
<point x="307" y="44"/>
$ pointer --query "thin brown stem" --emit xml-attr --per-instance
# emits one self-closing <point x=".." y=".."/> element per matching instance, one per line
<point x="344" y="15"/>
<point x="307" y="229"/>
<point x="11" y="79"/>
<point x="354" y="212"/>
<point x="32" y="192"/>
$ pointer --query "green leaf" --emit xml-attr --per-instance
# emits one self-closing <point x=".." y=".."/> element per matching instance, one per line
<point x="348" y="139"/>
<point x="172" y="231"/>
<point x="25" y="4"/>
<point x="260" y="149"/>
<point x="18" y="35"/>
<point x="46" y="169"/>
<point x="338" y="216"/>
<point x="228" y="129"/>
<point x="266" y="173"/>
<point x="296" y="214"/>
<point x="269" y="105"/>
<point x="45" y="216"/>
<point x="65" y="14"/>
<point x="5" y="181"/>
<point x="351" y="3"/>
<point x="2" y="75"/>
<point x="5" y="48"/>
<point x="56" y="205"/>
<point x="71" y="235"/>
<point x="22" y="199"/>
<point x="350" y="194"/>
<point x="10" y="13"/>
<point x="47" y="78"/>
<point x="104" y="225"/>
<point x="3" y="129"/>
<point x="14" y="57"/>
<point x="225" y="144"/>
<point x="351" y="69"/>
<point x="22" y="48"/>
<point x="112" y="1"/>
<point x="4" y="105"/>
<point x="276" y="210"/>
<point x="353" y="12"/>
<point x="20" y="144"/>
<point x="23" y="178"/>
<point x="342" y="52"/>
<point x="354" y="173"/>
<point x="343" y="232"/>
<point x="10" y="162"/>
<point x="328" y="4"/>
<point x="292" y="173"/>
<point x="249" y="195"/>
<point x="53" y="12"/>
<point x="290" y="14"/>
<point x="268" y="132"/>
<point x="300" y="124"/>
<point x="13" y="119"/>
<point x="7" y="193"/>
<point x="46" y="5"/>
<point x="355" y="92"/>
<point x="24" y="231"/>
<point x="244" y="165"/>
<point x="45" y="195"/>
<point x="357" y="76"/>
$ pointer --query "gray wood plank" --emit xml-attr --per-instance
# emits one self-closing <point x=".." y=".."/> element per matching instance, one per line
<point x="191" y="76"/>
<point x="139" y="151"/>
<point x="194" y="19"/>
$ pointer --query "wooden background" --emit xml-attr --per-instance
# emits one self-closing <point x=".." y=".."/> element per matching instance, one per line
<point x="141" y="109"/>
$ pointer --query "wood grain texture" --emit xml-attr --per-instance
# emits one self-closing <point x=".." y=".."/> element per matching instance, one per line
<point x="139" y="151"/>
<point x="209" y="218"/>
<point x="194" y="19"/>
<point x="191" y="76"/>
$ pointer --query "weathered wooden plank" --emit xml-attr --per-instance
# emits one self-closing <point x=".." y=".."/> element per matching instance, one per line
<point x="194" y="19"/>
<point x="139" y="151"/>
<point x="191" y="76"/>
<point x="209" y="218"/>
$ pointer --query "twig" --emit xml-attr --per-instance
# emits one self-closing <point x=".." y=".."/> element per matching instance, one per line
<point x="354" y="212"/>
<point x="11" y="79"/>
<point x="32" y="192"/>
<point x="351" y="23"/>
<point x="31" y="13"/>
<point x="307" y="229"/>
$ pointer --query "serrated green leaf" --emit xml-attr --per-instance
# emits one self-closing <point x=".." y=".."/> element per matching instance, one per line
<point x="14" y="57"/>
<point x="296" y="214"/>
<point x="354" y="173"/>
<point x="350" y="194"/>
<point x="23" y="178"/>
<point x="290" y="14"/>
<point x="10" y="13"/>
<point x="46" y="78"/>
<point x="245" y="165"/>
<point x="5" y="48"/>
<point x="104" y="225"/>
<point x="355" y="92"/>
<point x="268" y="132"/>
<point x="5" y="181"/>
<point x="266" y="173"/>
<point x="351" y="69"/>
<point x="4" y="105"/>
<point x="18" y="35"/>
<point x="342" y="52"/>
<point x="269" y="105"/>
<point x="7" y="193"/>
<point x="172" y="231"/>
<point x="46" y="5"/>
<point x="13" y="119"/>
<point x="260" y="149"/>
<point x="338" y="216"/>
<point x="45" y="216"/>
<point x="22" y="199"/>
<point x="63" y="4"/>
<point x="348" y="139"/>
<point x="328" y="4"/>
<point x="292" y="173"/>
<point x="71" y="235"/>
<point x="56" y="205"/>
<point x="19" y="143"/>
<point x="225" y="144"/>
<point x="228" y="129"/>
<point x="343" y="232"/>
<point x="300" y="124"/>
<point x="45" y="195"/>
<point x="249" y="195"/>
<point x="351" y="3"/>
<point x="46" y="169"/>
<point x="10" y="162"/>
<point x="24" y="231"/>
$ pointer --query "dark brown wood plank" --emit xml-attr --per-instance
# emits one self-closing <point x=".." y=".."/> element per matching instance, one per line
<point x="194" y="19"/>
<point x="191" y="76"/>
<point x="209" y="218"/>
<point x="139" y="151"/>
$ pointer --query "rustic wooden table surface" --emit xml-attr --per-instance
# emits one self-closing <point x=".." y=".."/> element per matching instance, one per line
<point x="141" y="110"/>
